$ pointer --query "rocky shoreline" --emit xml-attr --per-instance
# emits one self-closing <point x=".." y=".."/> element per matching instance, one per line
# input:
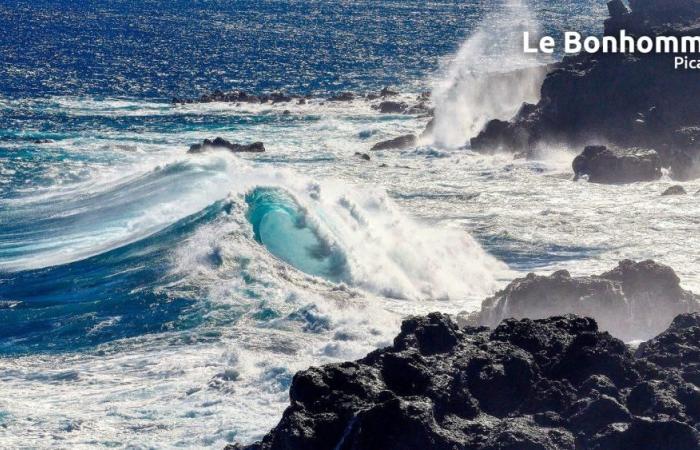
<point x="627" y="100"/>
<point x="552" y="383"/>
<point x="556" y="383"/>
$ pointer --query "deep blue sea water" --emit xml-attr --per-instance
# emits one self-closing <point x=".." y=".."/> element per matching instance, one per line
<point x="152" y="299"/>
<point x="161" y="49"/>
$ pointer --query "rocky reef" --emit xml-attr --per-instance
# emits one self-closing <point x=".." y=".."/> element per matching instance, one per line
<point x="634" y="301"/>
<point x="419" y="106"/>
<point x="629" y="100"/>
<point x="551" y="384"/>
<point x="208" y="144"/>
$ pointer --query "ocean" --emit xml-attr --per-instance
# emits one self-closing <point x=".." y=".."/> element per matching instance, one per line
<point x="151" y="298"/>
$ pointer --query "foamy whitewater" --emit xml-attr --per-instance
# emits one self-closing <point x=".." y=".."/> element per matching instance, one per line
<point x="155" y="299"/>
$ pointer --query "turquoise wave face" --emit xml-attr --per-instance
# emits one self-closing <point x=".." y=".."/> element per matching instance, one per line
<point x="282" y="226"/>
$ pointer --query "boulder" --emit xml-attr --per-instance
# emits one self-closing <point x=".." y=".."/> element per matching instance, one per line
<point x="399" y="143"/>
<point x="390" y="107"/>
<point x="674" y="190"/>
<point x="610" y="165"/>
<point x="634" y="301"/>
<point x="364" y="156"/>
<point x="255" y="147"/>
<point x="523" y="385"/>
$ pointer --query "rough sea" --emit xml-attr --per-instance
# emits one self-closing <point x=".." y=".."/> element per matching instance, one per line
<point x="154" y="299"/>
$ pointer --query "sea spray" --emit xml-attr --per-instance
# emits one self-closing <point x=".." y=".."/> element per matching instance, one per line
<point x="490" y="77"/>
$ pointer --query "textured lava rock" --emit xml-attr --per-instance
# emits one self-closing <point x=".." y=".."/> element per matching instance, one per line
<point x="556" y="383"/>
<point x="255" y="147"/>
<point x="398" y="143"/>
<point x="635" y="301"/>
<point x="612" y="165"/>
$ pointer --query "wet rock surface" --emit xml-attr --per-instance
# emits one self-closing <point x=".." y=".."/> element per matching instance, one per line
<point x="207" y="144"/>
<point x="556" y="383"/>
<point x="674" y="190"/>
<point x="610" y="165"/>
<point x="634" y="301"/>
<point x="398" y="143"/>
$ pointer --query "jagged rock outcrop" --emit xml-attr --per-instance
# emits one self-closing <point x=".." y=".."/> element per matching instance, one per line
<point x="255" y="147"/>
<point x="634" y="301"/>
<point x="550" y="384"/>
<point x="629" y="100"/>
<point x="610" y="165"/>
<point x="399" y="143"/>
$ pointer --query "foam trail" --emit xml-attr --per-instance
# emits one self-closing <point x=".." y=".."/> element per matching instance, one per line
<point x="489" y="78"/>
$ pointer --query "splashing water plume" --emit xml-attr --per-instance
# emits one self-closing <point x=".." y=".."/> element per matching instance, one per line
<point x="489" y="78"/>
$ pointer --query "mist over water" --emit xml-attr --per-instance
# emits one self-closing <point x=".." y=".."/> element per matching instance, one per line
<point x="490" y="77"/>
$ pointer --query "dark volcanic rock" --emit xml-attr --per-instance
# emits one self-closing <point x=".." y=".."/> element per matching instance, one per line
<point x="633" y="301"/>
<point x="629" y="100"/>
<point x="219" y="96"/>
<point x="398" y="143"/>
<point x="255" y="147"/>
<point x="390" y="107"/>
<point x="388" y="92"/>
<point x="674" y="190"/>
<point x="612" y="165"/>
<point x="342" y="97"/>
<point x="364" y="156"/>
<point x="556" y="383"/>
<point x="499" y="135"/>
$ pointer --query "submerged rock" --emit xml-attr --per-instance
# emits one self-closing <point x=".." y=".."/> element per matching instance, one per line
<point x="399" y="143"/>
<point x="556" y="383"/>
<point x="602" y="164"/>
<point x="674" y="190"/>
<point x="342" y="97"/>
<point x="364" y="156"/>
<point x="255" y="147"/>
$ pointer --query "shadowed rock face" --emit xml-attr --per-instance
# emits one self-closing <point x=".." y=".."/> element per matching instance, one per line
<point x="616" y="166"/>
<point x="635" y="301"/>
<point x="398" y="143"/>
<point x="556" y="383"/>
<point x="630" y="100"/>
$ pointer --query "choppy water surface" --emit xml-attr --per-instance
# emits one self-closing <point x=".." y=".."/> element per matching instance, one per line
<point x="151" y="298"/>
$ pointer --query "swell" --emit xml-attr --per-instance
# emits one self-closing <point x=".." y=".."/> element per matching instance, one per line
<point x="116" y="294"/>
<point x="78" y="222"/>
